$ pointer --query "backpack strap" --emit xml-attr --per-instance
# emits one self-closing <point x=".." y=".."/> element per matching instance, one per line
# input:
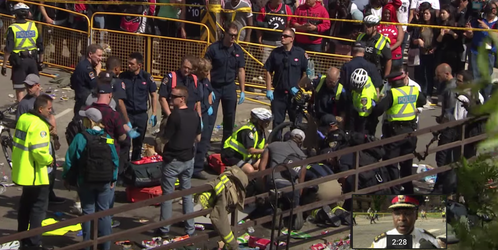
<point x="173" y="80"/>
<point x="195" y="80"/>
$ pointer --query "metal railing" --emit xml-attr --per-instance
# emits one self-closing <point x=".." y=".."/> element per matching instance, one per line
<point x="460" y="125"/>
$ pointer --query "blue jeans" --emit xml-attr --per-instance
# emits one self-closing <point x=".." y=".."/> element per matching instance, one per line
<point x="486" y="92"/>
<point x="99" y="22"/>
<point x="183" y="171"/>
<point x="96" y="198"/>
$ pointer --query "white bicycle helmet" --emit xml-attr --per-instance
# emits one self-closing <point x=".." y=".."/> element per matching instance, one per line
<point x="261" y="114"/>
<point x="359" y="78"/>
<point x="371" y="20"/>
<point x="20" y="6"/>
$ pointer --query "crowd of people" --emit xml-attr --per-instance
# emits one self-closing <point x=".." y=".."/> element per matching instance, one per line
<point x="111" y="111"/>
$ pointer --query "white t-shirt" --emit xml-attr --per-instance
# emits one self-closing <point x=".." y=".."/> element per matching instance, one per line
<point x="377" y="12"/>
<point x="416" y="3"/>
<point x="403" y="12"/>
<point x="460" y="111"/>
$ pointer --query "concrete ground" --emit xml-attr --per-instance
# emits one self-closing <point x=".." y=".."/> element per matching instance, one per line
<point x="130" y="219"/>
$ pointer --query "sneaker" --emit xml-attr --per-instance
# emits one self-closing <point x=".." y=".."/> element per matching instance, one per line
<point x="76" y="210"/>
<point x="164" y="236"/>
<point x="57" y="200"/>
<point x="428" y="106"/>
<point x="115" y="223"/>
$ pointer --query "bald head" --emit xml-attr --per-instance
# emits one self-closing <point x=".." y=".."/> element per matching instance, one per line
<point x="332" y="77"/>
<point x="443" y="72"/>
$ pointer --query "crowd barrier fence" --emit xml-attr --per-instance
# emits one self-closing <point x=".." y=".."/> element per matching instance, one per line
<point x="204" y="237"/>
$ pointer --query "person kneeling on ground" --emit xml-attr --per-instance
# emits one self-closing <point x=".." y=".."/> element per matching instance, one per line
<point x="278" y="153"/>
<point x="92" y="165"/>
<point x="244" y="147"/>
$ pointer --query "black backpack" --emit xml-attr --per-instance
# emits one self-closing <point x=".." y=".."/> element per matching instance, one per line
<point x="74" y="127"/>
<point x="96" y="165"/>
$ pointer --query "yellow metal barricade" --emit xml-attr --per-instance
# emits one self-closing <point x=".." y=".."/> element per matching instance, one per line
<point x="162" y="54"/>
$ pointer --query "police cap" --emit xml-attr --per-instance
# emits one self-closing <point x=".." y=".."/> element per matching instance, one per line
<point x="359" y="45"/>
<point x="404" y="201"/>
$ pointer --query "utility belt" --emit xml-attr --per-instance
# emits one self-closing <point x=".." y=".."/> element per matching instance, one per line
<point x="15" y="59"/>
<point x="402" y="124"/>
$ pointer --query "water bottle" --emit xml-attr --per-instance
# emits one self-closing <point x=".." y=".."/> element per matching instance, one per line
<point x="310" y="71"/>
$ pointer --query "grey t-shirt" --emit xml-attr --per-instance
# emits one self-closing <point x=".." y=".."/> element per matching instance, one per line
<point x="280" y="151"/>
<point x="449" y="100"/>
<point x="240" y="17"/>
<point x="27" y="104"/>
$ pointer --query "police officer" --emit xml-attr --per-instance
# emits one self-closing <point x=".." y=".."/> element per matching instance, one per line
<point x="378" y="48"/>
<point x="288" y="65"/>
<point x="364" y="97"/>
<point x="405" y="214"/>
<point x="23" y="49"/>
<point x="245" y="146"/>
<point x="329" y="96"/>
<point x="84" y="78"/>
<point x="228" y="62"/>
<point x="139" y="86"/>
<point x="400" y="105"/>
<point x="30" y="158"/>
<point x="358" y="61"/>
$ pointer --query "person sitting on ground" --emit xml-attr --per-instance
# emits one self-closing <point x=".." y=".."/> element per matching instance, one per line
<point x="245" y="146"/>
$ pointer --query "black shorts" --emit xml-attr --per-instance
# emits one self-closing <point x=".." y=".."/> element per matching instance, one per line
<point x="19" y="73"/>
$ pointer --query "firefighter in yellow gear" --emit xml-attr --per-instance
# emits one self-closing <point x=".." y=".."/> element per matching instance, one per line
<point x="228" y="194"/>
<point x="400" y="105"/>
<point x="23" y="49"/>
<point x="245" y="146"/>
<point x="364" y="98"/>
<point x="30" y="159"/>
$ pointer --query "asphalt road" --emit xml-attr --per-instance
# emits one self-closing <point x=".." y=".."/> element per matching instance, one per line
<point x="364" y="233"/>
<point x="131" y="219"/>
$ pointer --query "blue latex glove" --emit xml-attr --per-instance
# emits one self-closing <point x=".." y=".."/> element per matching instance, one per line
<point x="242" y="97"/>
<point x="153" y="120"/>
<point x="213" y="97"/>
<point x="202" y="125"/>
<point x="210" y="110"/>
<point x="294" y="90"/>
<point x="133" y="134"/>
<point x="129" y="125"/>
<point x="269" y="95"/>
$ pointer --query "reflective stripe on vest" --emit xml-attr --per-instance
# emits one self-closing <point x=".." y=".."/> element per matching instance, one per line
<point x="363" y="102"/>
<point x="339" y="87"/>
<point x="22" y="136"/>
<point x="403" y="108"/>
<point x="232" y="142"/>
<point x="379" y="45"/>
<point x="25" y="35"/>
<point x="228" y="238"/>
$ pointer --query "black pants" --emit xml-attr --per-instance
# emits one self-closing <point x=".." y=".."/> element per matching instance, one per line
<point x="365" y="125"/>
<point x="202" y="147"/>
<point x="124" y="155"/>
<point x="400" y="148"/>
<point x="446" y="181"/>
<point x="282" y="103"/>
<point x="139" y="121"/>
<point x="227" y="94"/>
<point x="32" y="209"/>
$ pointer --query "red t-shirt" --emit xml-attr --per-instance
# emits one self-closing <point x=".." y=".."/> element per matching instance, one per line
<point x="391" y="31"/>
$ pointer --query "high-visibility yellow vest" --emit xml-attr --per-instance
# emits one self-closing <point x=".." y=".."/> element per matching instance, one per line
<point x="363" y="102"/>
<point x="232" y="142"/>
<point x="322" y="81"/>
<point x="25" y="35"/>
<point x="30" y="152"/>
<point x="404" y="101"/>
<point x="379" y="45"/>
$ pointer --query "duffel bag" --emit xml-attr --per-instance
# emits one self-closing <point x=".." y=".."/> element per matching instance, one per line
<point x="143" y="175"/>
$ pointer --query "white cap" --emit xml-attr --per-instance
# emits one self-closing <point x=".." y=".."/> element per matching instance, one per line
<point x="299" y="132"/>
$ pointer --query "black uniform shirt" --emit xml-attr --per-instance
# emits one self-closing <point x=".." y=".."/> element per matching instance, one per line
<point x="137" y="87"/>
<point x="226" y="62"/>
<point x="193" y="90"/>
<point x="356" y="63"/>
<point x="288" y="67"/>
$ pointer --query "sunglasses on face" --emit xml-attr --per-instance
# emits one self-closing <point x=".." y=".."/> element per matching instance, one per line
<point x="176" y="96"/>
<point x="231" y="35"/>
<point x="286" y="36"/>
